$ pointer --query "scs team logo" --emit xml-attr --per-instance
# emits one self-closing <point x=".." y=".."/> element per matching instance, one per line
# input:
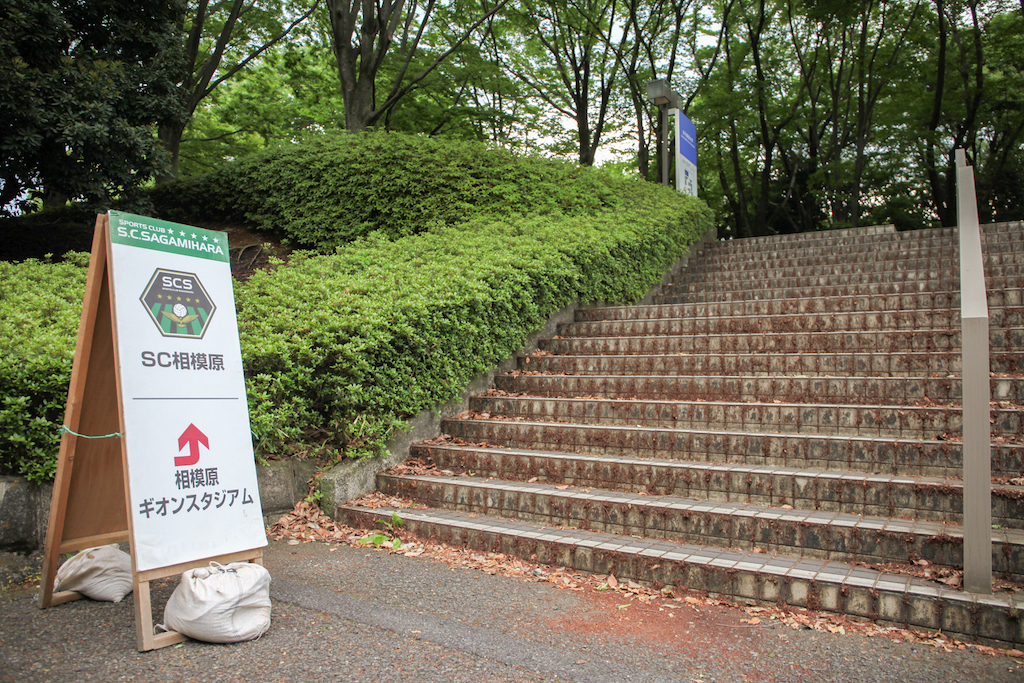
<point x="178" y="304"/>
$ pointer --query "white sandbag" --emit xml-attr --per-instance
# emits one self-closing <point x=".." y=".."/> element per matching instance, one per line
<point x="222" y="604"/>
<point x="102" y="573"/>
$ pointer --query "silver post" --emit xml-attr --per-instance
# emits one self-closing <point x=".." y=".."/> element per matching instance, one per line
<point x="664" y="144"/>
<point x="977" y="457"/>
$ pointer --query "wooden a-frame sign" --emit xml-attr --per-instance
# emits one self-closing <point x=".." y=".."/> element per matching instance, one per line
<point x="92" y="500"/>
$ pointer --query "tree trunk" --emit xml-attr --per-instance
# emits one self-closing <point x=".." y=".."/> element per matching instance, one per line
<point x="170" y="135"/>
<point x="359" y="110"/>
<point x="54" y="198"/>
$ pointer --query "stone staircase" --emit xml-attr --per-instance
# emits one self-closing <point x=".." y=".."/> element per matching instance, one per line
<point x="783" y="415"/>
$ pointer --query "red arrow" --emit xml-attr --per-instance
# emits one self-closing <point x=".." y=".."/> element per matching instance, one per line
<point x="193" y="437"/>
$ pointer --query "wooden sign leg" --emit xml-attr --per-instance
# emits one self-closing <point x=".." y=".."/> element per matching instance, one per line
<point x="145" y="638"/>
<point x="87" y="508"/>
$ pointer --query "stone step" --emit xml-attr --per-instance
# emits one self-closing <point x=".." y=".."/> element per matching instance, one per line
<point x="1006" y="307"/>
<point x="853" y="364"/>
<point x="939" y="321"/>
<point x="889" y="248"/>
<point x="842" y="363"/>
<point x="997" y="233"/>
<point x="925" y="498"/>
<point x="804" y="342"/>
<point x="1013" y="275"/>
<point x="804" y="389"/>
<point x="947" y="278"/>
<point x="799" y="533"/>
<point x="743" y="576"/>
<point x="908" y="422"/>
<point x="926" y="458"/>
<point x="840" y="236"/>
<point x="866" y="261"/>
<point x="772" y="292"/>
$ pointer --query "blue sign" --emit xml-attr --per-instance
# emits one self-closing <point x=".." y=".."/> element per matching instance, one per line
<point x="687" y="137"/>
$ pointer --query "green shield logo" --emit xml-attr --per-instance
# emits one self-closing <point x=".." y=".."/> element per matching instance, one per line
<point x="178" y="303"/>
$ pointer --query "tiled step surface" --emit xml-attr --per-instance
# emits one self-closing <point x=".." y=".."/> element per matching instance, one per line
<point x="814" y="534"/>
<point x="919" y="422"/>
<point x="929" y="498"/>
<point x="934" y="321"/>
<point x="773" y="291"/>
<point x="862" y="454"/>
<point x="1010" y="266"/>
<point x="850" y="363"/>
<point x="901" y="281"/>
<point x="867" y="258"/>
<point x="808" y="388"/>
<point x="658" y="339"/>
<point x="1005" y="308"/>
<point x="787" y="406"/>
<point x="845" y="240"/>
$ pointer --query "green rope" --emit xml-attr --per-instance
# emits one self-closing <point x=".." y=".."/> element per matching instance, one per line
<point x="63" y="428"/>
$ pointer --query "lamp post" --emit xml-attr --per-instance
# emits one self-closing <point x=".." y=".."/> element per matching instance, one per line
<point x="660" y="94"/>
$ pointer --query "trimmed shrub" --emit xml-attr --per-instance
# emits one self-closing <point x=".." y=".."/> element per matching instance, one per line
<point x="340" y="348"/>
<point x="40" y="307"/>
<point x="333" y="189"/>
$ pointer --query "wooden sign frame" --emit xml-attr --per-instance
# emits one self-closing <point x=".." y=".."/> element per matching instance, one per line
<point x="90" y="504"/>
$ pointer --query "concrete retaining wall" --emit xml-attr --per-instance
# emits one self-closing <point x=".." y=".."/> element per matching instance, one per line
<point x="25" y="507"/>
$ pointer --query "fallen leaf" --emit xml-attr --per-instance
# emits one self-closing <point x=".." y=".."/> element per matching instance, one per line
<point x="612" y="581"/>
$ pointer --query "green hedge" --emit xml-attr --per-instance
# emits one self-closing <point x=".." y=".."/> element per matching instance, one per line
<point x="333" y="189"/>
<point x="40" y="307"/>
<point x="340" y="348"/>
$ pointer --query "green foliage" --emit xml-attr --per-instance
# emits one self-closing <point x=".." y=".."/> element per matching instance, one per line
<point x="390" y="538"/>
<point x="288" y="94"/>
<point x="339" y="349"/>
<point x="80" y="86"/>
<point x="351" y="343"/>
<point x="333" y="189"/>
<point x="40" y="306"/>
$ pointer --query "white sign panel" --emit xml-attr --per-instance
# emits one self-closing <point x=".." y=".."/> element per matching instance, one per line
<point x="192" y="476"/>
<point x="686" y="154"/>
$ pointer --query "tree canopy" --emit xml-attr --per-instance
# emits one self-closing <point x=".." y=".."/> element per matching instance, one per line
<point x="810" y="114"/>
<point x="81" y="85"/>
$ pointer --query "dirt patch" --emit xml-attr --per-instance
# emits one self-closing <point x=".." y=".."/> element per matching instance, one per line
<point x="250" y="251"/>
<point x="693" y="626"/>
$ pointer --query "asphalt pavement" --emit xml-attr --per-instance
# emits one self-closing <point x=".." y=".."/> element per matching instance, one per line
<point x="344" y="613"/>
